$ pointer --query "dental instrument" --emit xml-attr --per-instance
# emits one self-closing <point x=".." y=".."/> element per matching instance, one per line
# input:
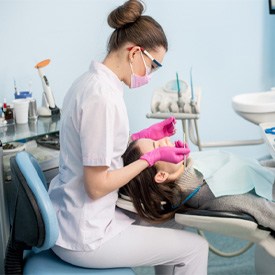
<point x="178" y="84"/>
<point x="15" y="88"/>
<point x="184" y="141"/>
<point x="191" y="86"/>
<point x="179" y="94"/>
<point x="48" y="106"/>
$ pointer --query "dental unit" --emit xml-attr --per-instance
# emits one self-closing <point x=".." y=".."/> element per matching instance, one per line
<point x="181" y="100"/>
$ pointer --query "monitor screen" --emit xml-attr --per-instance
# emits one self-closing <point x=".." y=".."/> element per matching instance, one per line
<point x="272" y="6"/>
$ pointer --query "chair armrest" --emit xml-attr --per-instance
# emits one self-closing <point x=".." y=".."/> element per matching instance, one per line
<point x="217" y="214"/>
<point x="237" y="225"/>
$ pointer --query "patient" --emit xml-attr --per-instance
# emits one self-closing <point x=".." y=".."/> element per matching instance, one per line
<point x="222" y="181"/>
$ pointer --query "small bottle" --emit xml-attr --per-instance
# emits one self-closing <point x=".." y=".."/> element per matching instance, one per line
<point x="4" y="107"/>
<point x="9" y="114"/>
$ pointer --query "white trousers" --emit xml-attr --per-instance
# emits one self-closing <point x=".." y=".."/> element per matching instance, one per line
<point x="170" y="250"/>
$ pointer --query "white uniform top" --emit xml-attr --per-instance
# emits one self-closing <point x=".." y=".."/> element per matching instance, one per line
<point x="94" y="132"/>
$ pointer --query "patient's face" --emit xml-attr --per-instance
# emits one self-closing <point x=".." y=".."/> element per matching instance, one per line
<point x="147" y="145"/>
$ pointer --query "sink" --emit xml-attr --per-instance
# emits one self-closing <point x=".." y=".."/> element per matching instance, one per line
<point x="255" y="107"/>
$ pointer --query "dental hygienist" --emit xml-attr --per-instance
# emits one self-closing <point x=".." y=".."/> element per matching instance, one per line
<point x="94" y="134"/>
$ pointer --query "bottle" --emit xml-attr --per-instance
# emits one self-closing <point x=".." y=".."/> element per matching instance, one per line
<point x="9" y="114"/>
<point x="4" y="107"/>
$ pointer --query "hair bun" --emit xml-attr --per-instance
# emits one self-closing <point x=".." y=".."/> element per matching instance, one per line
<point x="125" y="14"/>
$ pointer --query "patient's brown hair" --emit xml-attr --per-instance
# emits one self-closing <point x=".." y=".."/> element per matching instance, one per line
<point x="147" y="195"/>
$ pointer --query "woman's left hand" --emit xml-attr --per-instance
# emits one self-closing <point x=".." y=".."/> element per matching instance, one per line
<point x="157" y="131"/>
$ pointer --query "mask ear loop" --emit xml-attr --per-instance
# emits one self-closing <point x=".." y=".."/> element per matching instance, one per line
<point x="148" y="69"/>
<point x="131" y="66"/>
<point x="131" y="61"/>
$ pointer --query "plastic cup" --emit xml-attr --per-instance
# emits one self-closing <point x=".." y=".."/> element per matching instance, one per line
<point x="32" y="109"/>
<point x="21" y="108"/>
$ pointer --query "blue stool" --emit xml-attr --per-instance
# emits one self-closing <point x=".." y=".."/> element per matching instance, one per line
<point x="34" y="226"/>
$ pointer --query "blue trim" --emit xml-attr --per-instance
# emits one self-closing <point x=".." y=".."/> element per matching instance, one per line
<point x="157" y="63"/>
<point x="191" y="195"/>
<point x="33" y="176"/>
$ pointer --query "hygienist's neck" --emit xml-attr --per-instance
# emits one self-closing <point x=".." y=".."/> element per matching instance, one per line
<point x="116" y="63"/>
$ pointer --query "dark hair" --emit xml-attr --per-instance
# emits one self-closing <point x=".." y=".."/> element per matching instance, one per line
<point x="147" y="195"/>
<point x="131" y="26"/>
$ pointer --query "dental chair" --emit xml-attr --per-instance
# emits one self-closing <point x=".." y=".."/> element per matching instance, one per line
<point x="34" y="226"/>
<point x="237" y="225"/>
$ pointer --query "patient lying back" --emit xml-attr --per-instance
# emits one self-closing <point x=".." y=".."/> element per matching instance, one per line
<point x="250" y="203"/>
<point x="174" y="183"/>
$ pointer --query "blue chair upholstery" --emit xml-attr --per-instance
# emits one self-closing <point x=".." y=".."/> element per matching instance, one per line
<point x="34" y="226"/>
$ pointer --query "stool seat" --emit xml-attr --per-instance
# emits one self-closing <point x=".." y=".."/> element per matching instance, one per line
<point x="48" y="264"/>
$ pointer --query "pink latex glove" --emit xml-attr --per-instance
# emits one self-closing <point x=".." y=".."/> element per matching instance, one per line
<point x="157" y="131"/>
<point x="167" y="153"/>
<point x="180" y="144"/>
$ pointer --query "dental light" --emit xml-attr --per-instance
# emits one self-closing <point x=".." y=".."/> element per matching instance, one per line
<point x="48" y="107"/>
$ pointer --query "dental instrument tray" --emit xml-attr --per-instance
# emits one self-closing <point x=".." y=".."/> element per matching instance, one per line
<point x="268" y="133"/>
<point x="13" y="148"/>
<point x="49" y="141"/>
<point x="176" y="97"/>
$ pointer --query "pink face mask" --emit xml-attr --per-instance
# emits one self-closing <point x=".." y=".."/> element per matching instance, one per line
<point x="138" y="81"/>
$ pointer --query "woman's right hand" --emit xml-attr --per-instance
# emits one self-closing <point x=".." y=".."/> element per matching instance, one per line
<point x="180" y="144"/>
<point x="167" y="153"/>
